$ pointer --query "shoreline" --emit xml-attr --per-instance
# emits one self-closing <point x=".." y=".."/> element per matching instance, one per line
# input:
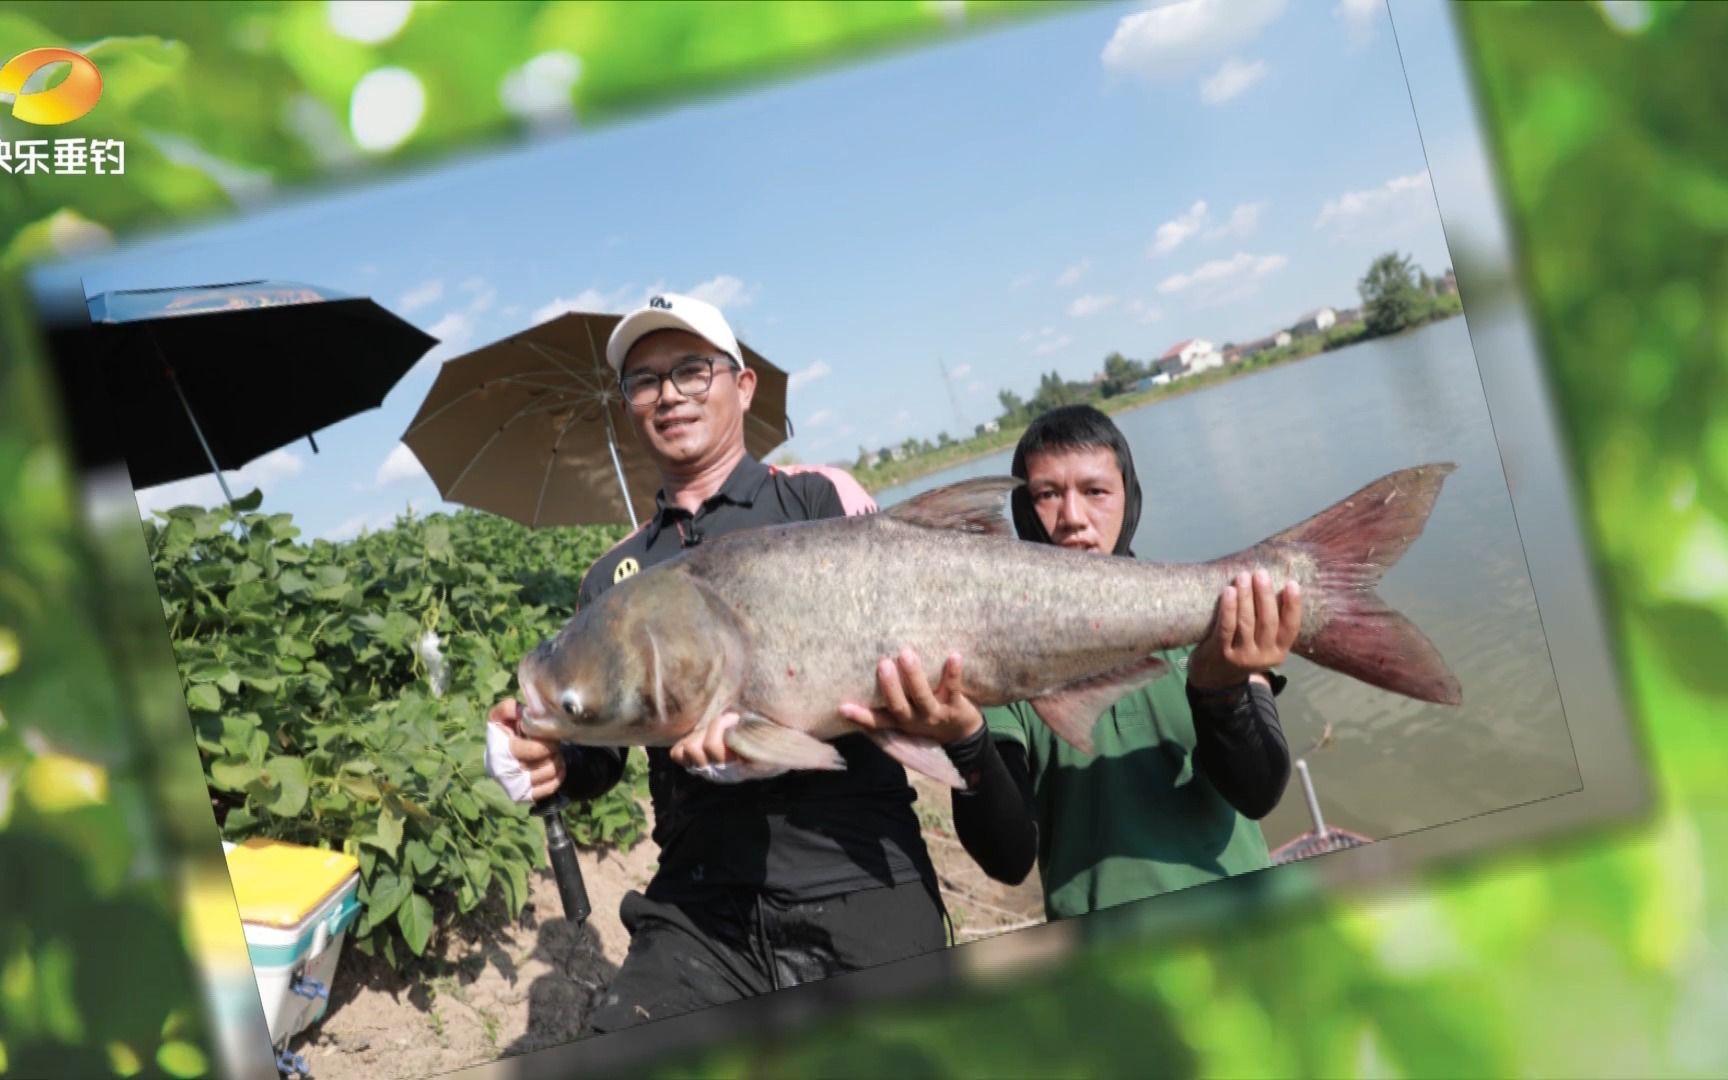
<point x="1007" y="438"/>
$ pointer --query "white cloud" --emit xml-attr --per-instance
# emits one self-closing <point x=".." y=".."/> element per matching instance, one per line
<point x="1174" y="232"/>
<point x="976" y="386"/>
<point x="1402" y="195"/>
<point x="266" y="474"/>
<point x="351" y="528"/>
<point x="484" y="295"/>
<point x="1073" y="273"/>
<point x="374" y="521"/>
<point x="454" y="331"/>
<point x="1046" y="340"/>
<point x="723" y="292"/>
<point x="1089" y="305"/>
<point x="1172" y="39"/>
<point x="1239" y="267"/>
<point x="1022" y="281"/>
<point x="421" y="295"/>
<point x="1359" y="17"/>
<point x="819" y="418"/>
<point x="1143" y="312"/>
<point x="806" y="376"/>
<point x="959" y="372"/>
<point x="1231" y="80"/>
<point x="1243" y="221"/>
<point x="400" y="465"/>
<point x="586" y="300"/>
<point x="902" y="419"/>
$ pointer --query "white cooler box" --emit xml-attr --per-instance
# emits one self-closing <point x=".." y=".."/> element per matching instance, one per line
<point x="296" y="905"/>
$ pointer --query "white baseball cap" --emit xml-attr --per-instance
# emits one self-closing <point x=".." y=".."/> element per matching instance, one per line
<point x="669" y="311"/>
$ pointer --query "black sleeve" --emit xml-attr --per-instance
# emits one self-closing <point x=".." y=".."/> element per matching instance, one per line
<point x="1240" y="746"/>
<point x="592" y="771"/>
<point x="586" y="591"/>
<point x="823" y="498"/>
<point x="994" y="817"/>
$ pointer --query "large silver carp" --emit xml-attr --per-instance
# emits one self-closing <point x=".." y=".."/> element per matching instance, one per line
<point x="783" y="624"/>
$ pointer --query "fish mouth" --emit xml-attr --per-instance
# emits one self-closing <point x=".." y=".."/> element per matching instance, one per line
<point x="538" y="718"/>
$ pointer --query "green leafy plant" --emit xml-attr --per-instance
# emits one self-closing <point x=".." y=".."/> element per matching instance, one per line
<point x="338" y="693"/>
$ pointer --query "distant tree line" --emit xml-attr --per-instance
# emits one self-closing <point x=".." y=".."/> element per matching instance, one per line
<point x="1396" y="296"/>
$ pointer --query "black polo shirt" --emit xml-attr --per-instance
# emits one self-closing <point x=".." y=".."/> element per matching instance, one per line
<point x="802" y="834"/>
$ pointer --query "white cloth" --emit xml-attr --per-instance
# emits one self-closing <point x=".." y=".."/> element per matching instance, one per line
<point x="503" y="766"/>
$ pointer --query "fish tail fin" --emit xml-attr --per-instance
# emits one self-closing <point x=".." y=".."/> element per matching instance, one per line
<point x="1355" y="541"/>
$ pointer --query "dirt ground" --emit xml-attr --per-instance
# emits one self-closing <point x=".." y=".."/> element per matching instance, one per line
<point x="508" y="988"/>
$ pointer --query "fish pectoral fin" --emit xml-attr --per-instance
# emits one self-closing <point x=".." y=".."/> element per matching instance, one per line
<point x="767" y="743"/>
<point x="1072" y="710"/>
<point x="735" y="772"/>
<point x="974" y="506"/>
<point x="921" y="755"/>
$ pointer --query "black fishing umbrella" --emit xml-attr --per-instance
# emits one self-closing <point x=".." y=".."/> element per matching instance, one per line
<point x="215" y="376"/>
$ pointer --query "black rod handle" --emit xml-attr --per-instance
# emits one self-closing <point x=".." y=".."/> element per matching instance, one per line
<point x="561" y="850"/>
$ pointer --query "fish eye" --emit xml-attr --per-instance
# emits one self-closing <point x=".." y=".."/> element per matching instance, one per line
<point x="572" y="703"/>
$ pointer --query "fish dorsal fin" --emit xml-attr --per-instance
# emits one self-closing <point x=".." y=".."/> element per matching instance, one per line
<point x="974" y="506"/>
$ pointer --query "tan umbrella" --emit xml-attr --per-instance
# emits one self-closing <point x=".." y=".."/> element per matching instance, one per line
<point x="534" y="427"/>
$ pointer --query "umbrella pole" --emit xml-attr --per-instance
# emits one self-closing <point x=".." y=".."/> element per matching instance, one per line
<point x="617" y="466"/>
<point x="174" y="380"/>
<point x="1313" y="801"/>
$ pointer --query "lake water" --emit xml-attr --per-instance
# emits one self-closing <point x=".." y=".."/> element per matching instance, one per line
<point x="1224" y="467"/>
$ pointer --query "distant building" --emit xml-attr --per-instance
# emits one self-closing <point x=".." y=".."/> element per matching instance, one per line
<point x="1316" y="322"/>
<point x="1448" y="283"/>
<point x="1281" y="339"/>
<point x="1187" y="357"/>
<point x="1349" y="315"/>
<point x="1254" y="348"/>
<point x="898" y="453"/>
<point x="988" y="426"/>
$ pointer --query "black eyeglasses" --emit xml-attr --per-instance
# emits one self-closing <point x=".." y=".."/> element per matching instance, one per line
<point x="693" y="375"/>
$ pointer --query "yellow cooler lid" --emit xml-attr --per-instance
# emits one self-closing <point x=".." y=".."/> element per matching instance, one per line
<point x="278" y="884"/>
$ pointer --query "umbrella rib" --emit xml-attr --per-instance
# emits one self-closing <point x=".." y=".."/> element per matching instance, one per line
<point x="480" y="453"/>
<point x="546" y="478"/>
<point x="554" y="356"/>
<point x="594" y="378"/>
<point x="442" y="409"/>
<point x="471" y="391"/>
<point x="526" y="380"/>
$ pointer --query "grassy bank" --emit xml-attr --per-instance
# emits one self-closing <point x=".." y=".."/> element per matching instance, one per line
<point x="891" y="474"/>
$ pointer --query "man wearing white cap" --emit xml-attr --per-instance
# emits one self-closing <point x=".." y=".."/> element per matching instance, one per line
<point x="772" y="882"/>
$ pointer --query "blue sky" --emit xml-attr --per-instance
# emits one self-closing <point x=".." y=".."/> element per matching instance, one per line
<point x="1008" y="203"/>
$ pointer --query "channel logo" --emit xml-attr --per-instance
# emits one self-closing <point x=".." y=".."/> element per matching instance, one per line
<point x="74" y="97"/>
